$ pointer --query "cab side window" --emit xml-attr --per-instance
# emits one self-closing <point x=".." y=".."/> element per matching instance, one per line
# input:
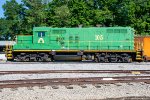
<point x="41" y="34"/>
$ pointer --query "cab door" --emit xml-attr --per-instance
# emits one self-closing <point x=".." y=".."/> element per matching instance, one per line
<point x="40" y="37"/>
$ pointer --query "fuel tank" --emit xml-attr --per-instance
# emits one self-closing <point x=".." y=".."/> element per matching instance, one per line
<point x="67" y="58"/>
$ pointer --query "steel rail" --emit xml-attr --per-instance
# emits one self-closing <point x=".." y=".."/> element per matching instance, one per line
<point x="72" y="81"/>
<point x="75" y="71"/>
<point x="70" y="62"/>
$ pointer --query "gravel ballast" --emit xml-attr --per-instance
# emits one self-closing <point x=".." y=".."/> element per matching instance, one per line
<point x="77" y="93"/>
<point x="75" y="66"/>
<point x="102" y="91"/>
<point x="60" y="75"/>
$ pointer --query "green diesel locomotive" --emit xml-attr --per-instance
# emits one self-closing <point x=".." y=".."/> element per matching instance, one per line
<point x="102" y="44"/>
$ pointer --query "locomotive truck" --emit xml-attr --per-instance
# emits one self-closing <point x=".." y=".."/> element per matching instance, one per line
<point x="100" y="44"/>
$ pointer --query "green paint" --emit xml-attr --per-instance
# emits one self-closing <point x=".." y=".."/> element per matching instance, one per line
<point x="96" y="38"/>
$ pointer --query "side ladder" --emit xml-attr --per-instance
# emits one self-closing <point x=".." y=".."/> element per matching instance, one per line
<point x="139" y="55"/>
<point x="8" y="52"/>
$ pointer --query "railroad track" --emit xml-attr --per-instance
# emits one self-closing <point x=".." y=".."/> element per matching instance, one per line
<point x="74" y="62"/>
<point x="76" y="71"/>
<point x="72" y="81"/>
<point x="55" y="62"/>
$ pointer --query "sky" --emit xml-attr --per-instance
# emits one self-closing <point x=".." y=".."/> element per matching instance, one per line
<point x="1" y="9"/>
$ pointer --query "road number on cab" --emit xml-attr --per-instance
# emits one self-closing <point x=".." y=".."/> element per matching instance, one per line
<point x="98" y="37"/>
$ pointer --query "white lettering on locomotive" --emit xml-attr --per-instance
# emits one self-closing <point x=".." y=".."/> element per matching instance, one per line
<point x="98" y="37"/>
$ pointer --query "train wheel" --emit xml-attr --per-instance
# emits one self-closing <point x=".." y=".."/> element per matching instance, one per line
<point x="107" y="60"/>
<point x="129" y="60"/>
<point x="145" y="59"/>
<point x="126" y="58"/>
<point x="27" y="59"/>
<point x="17" y="58"/>
<point x="113" y="58"/>
<point x="38" y="59"/>
<point x="96" y="59"/>
<point x="48" y="59"/>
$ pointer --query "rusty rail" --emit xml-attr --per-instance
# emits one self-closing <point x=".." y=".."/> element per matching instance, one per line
<point x="72" y="81"/>
<point x="76" y="71"/>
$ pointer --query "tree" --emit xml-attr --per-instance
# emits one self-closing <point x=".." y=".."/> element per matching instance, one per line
<point x="21" y="18"/>
<point x="13" y="13"/>
<point x="35" y="14"/>
<point x="5" y="32"/>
